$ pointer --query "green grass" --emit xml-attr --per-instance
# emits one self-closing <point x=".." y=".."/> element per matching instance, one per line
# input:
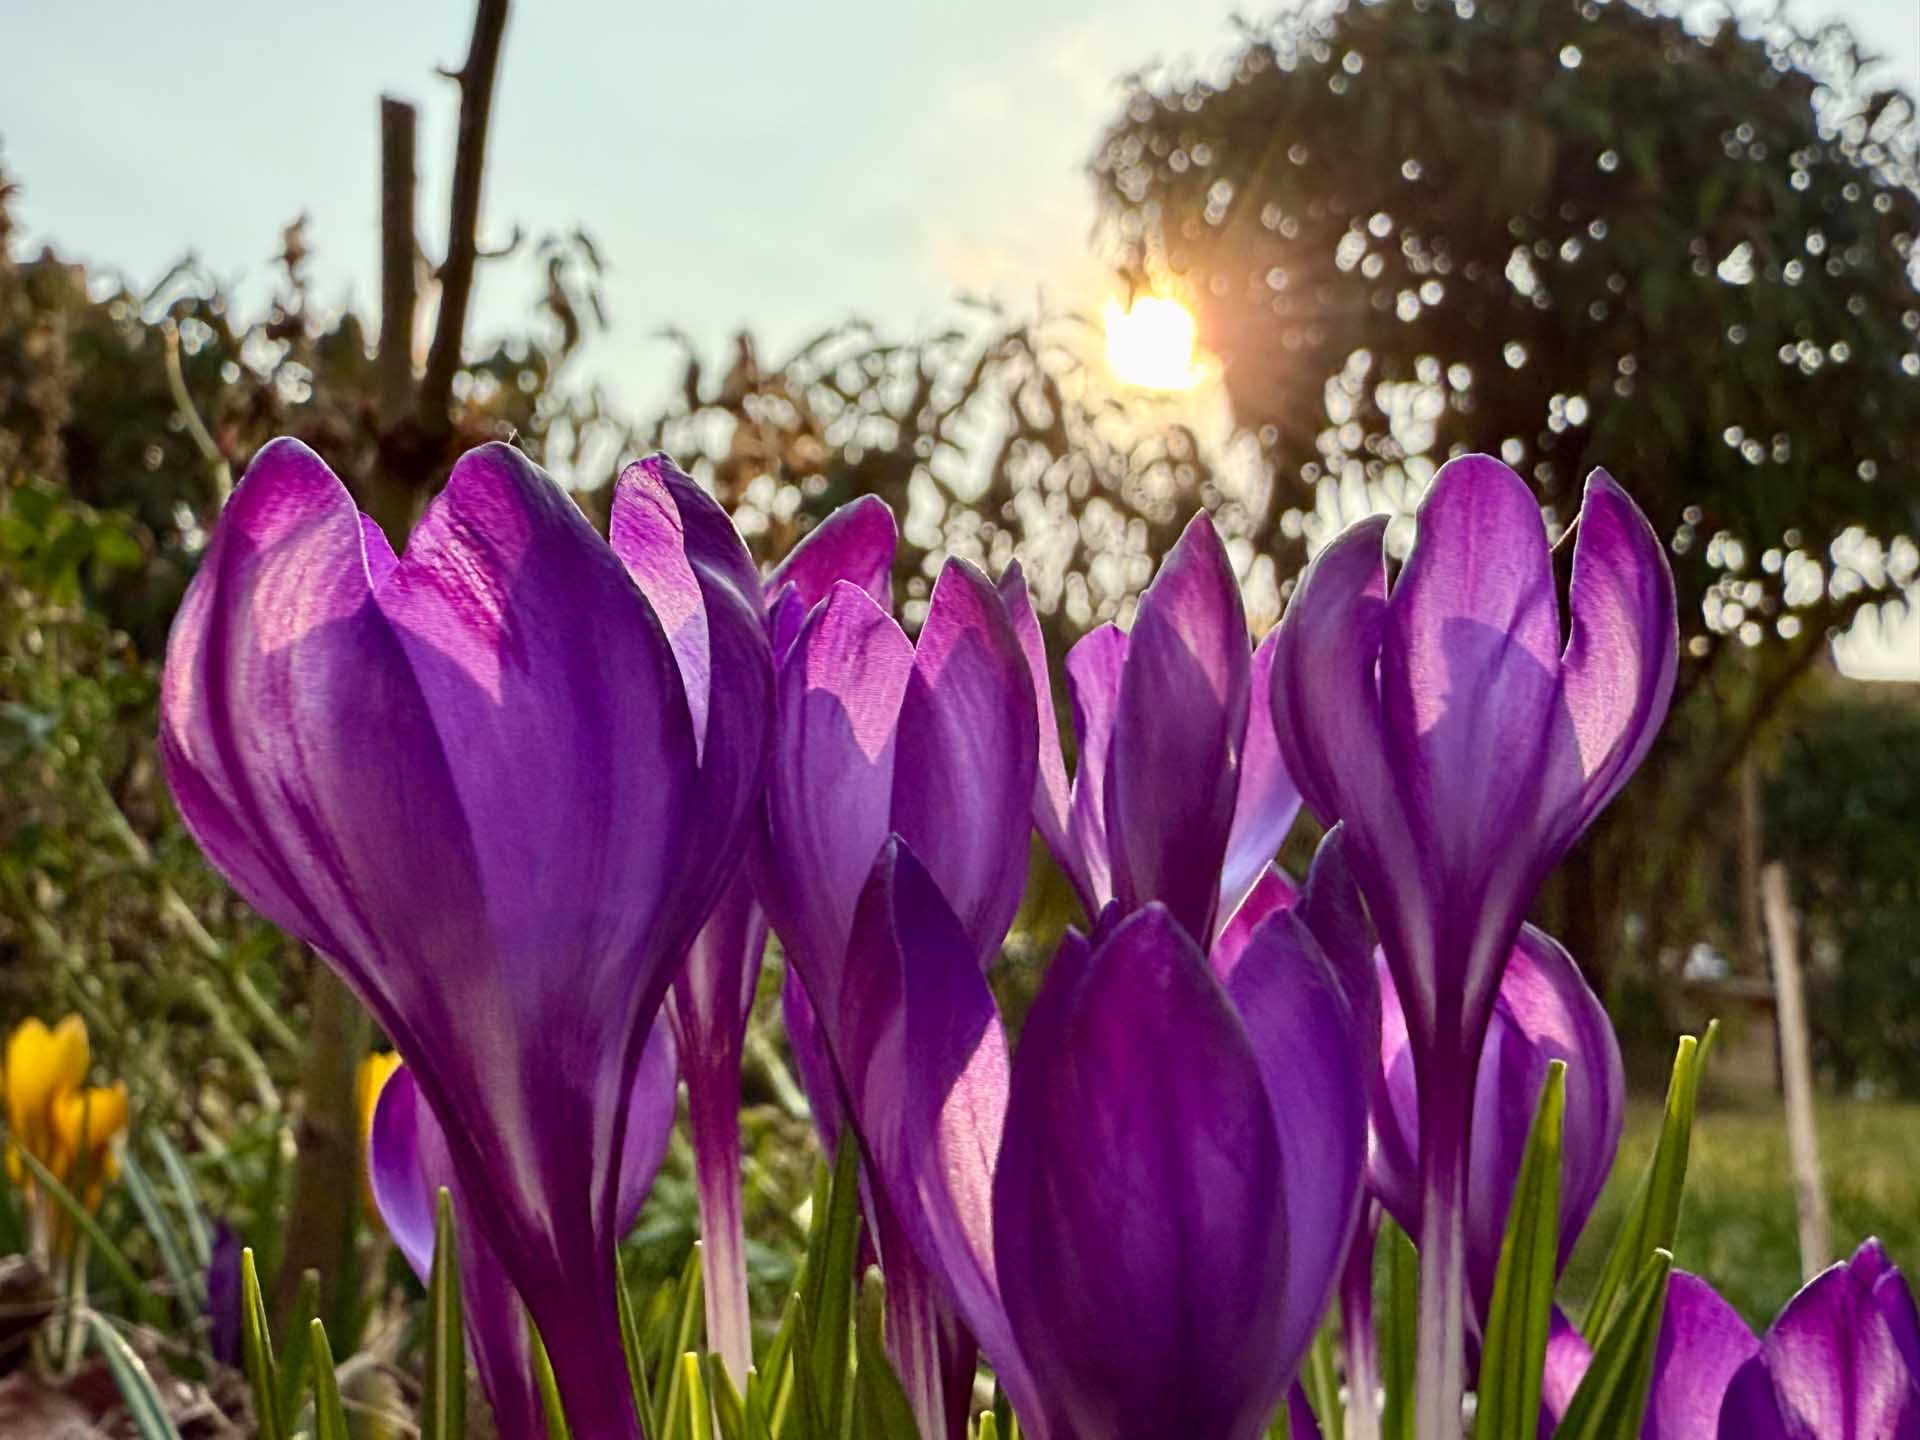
<point x="1738" y="1228"/>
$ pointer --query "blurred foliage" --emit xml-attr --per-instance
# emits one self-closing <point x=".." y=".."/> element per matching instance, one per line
<point x="1843" y="813"/>
<point x="1577" y="232"/>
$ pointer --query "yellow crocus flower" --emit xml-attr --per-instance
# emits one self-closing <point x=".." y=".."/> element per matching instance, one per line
<point x="85" y="1123"/>
<point x="41" y="1065"/>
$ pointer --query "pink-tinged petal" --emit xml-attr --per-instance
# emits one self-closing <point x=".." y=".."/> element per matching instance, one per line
<point x="1872" y="1267"/>
<point x="1750" y="1410"/>
<point x="1837" y="1368"/>
<point x="408" y="1165"/>
<point x="925" y="1060"/>
<point x="1393" y="1153"/>
<point x="1094" y="666"/>
<point x="1051" y="792"/>
<point x="855" y="543"/>
<point x="1312" y="1044"/>
<point x="1273" y="891"/>
<point x="1267" y="801"/>
<point x="1618" y="671"/>
<point x="1142" y="1262"/>
<point x="830" y="781"/>
<point x="964" y="770"/>
<point x="1703" y="1343"/>
<point x="1568" y="1356"/>
<point x="1331" y="908"/>
<point x="1178" y="734"/>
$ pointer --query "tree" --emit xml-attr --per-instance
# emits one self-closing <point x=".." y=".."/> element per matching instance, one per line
<point x="1576" y="233"/>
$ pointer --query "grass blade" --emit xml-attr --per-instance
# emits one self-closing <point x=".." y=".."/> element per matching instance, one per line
<point x="443" y="1414"/>
<point x="630" y="1342"/>
<point x="548" y="1386"/>
<point x="881" y="1410"/>
<point x="189" y="1284"/>
<point x="689" y="1310"/>
<point x="828" y="1299"/>
<point x="144" y="1406"/>
<point x="1399" y="1331"/>
<point x="1612" y="1399"/>
<point x="256" y="1353"/>
<point x="198" y="1236"/>
<point x="329" y="1418"/>
<point x="146" y="1304"/>
<point x="1522" y="1309"/>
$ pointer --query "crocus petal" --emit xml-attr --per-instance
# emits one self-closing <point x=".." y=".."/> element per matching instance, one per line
<point x="1618" y="671"/>
<point x="1311" y="1043"/>
<point x="1138" y="1252"/>
<point x="855" y="544"/>
<point x="1834" y="1369"/>
<point x="651" y="1107"/>
<point x="1272" y="891"/>
<point x="1051" y="792"/>
<point x="1094" y="666"/>
<point x="830" y="782"/>
<point x="1267" y="801"/>
<point x="1872" y="1268"/>
<point x="1178" y="733"/>
<point x="925" y="1060"/>
<point x="964" y="766"/>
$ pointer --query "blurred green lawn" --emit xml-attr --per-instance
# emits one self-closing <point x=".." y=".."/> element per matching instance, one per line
<point x="1738" y="1228"/>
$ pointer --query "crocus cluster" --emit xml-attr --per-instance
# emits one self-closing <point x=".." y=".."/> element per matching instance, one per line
<point x="66" y="1125"/>
<point x="540" y="797"/>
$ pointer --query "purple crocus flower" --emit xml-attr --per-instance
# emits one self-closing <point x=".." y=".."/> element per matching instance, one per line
<point x="1179" y="794"/>
<point x="225" y="1302"/>
<point x="1841" y="1361"/>
<point x="474" y="778"/>
<point x="712" y="995"/>
<point x="878" y="735"/>
<point x="408" y="1164"/>
<point x="1468" y="743"/>
<point x="1543" y="1011"/>
<point x="1140" y="1215"/>
<point x="1702" y="1343"/>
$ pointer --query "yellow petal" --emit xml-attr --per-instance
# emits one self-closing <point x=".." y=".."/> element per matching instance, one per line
<point x="375" y="1070"/>
<point x="88" y="1121"/>
<point x="42" y="1065"/>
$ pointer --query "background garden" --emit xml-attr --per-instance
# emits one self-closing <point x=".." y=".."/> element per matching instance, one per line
<point x="1682" y="245"/>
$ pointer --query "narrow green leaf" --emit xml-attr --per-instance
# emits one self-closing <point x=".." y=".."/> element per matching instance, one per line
<point x="1612" y="1399"/>
<point x="188" y="1283"/>
<point x="293" y="1364"/>
<point x="729" y="1410"/>
<point x="144" y="1406"/>
<point x="774" y="1392"/>
<point x="630" y="1341"/>
<point x="329" y="1418"/>
<point x="548" y="1386"/>
<point x="198" y="1236"/>
<point x="443" y="1411"/>
<point x="881" y="1410"/>
<point x="1321" y="1380"/>
<point x="147" y="1305"/>
<point x="256" y="1353"/>
<point x="832" y="1250"/>
<point x="1522" y="1311"/>
<point x="1653" y="1218"/>
<point x="1399" y="1332"/>
<point x="698" y="1424"/>
<point x="688" y="1315"/>
<point x="989" y="1427"/>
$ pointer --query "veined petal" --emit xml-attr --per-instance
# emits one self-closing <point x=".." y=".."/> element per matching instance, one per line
<point x="1312" y="1045"/>
<point x="1178" y="733"/>
<point x="855" y="543"/>
<point x="1272" y="891"/>
<point x="713" y="993"/>
<point x="1094" y="666"/>
<point x="964" y="769"/>
<point x="830" y="781"/>
<point x="1891" y="1293"/>
<point x="1267" y="801"/>
<point x="1142" y="1263"/>
<point x="925" y="1060"/>
<point x="652" y="1104"/>
<point x="1051" y="792"/>
<point x="1618" y="671"/>
<point x="1837" y="1369"/>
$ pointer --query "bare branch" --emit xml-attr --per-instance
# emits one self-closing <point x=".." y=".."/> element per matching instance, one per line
<point x="399" y="243"/>
<point x="463" y="222"/>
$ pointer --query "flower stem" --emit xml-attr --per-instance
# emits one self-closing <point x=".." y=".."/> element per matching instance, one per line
<point x="1356" y="1326"/>
<point x="713" y="1112"/>
<point x="1440" y="1363"/>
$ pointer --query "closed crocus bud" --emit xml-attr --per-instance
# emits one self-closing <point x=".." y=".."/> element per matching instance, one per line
<point x="1467" y="741"/>
<point x="42" y="1063"/>
<point x="1142" y="1214"/>
<point x="1841" y="1362"/>
<point x="1179" y="794"/>
<point x="1544" y="1011"/>
<point x="498" y="782"/>
<point x="408" y="1164"/>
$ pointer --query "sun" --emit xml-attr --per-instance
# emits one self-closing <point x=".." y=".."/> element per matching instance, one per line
<point x="1150" y="344"/>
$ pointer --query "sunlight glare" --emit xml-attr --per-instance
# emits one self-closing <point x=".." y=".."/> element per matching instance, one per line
<point x="1151" y="344"/>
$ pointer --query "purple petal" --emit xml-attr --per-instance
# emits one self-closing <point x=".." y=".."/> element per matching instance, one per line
<point x="1051" y="792"/>
<point x="1273" y="891"/>
<point x="1139" y="1253"/>
<point x="1094" y="667"/>
<point x="1872" y="1267"/>
<point x="925" y="1059"/>
<point x="1837" y="1368"/>
<point x="1618" y="671"/>
<point x="1568" y="1356"/>
<point x="651" y="1107"/>
<point x="1267" y="800"/>
<point x="810" y="1059"/>
<point x="830" y="782"/>
<point x="1178" y="733"/>
<point x="964" y="771"/>
<point x="713" y="993"/>
<point x="1750" y="1412"/>
<point x="1393" y="1163"/>
<point x="1703" y="1343"/>
<point x="855" y="544"/>
<point x="1311" y="1045"/>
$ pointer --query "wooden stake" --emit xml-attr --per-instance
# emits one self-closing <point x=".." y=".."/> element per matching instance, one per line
<point x="1796" y="1068"/>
